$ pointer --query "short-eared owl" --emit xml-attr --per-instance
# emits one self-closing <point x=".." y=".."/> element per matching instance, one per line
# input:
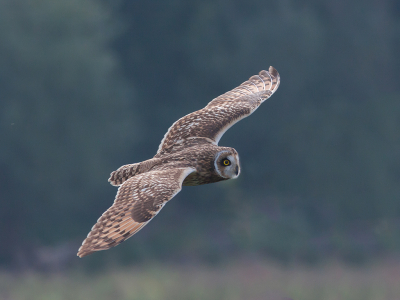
<point x="188" y="155"/>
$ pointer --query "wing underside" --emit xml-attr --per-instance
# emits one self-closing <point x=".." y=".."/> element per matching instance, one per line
<point x="220" y="114"/>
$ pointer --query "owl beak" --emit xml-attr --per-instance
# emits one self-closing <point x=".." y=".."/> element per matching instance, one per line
<point x="237" y="170"/>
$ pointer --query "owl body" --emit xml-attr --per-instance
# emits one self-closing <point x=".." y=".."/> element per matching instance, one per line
<point x="204" y="159"/>
<point x="188" y="155"/>
<point x="207" y="161"/>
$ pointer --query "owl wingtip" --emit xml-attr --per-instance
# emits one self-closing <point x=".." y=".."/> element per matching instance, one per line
<point x="81" y="253"/>
<point x="84" y="251"/>
<point x="273" y="71"/>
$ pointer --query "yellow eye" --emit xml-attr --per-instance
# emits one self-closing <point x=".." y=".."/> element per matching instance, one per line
<point x="226" y="162"/>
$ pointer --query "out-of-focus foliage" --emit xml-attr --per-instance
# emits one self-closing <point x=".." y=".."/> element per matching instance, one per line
<point x="320" y="160"/>
<point x="63" y="104"/>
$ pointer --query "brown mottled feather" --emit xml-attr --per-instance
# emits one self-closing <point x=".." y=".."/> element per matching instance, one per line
<point x="138" y="200"/>
<point x="220" y="114"/>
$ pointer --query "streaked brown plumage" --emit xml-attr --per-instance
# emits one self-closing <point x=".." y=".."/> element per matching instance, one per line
<point x="188" y="155"/>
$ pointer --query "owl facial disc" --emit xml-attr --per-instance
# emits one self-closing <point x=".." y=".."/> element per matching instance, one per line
<point x="227" y="164"/>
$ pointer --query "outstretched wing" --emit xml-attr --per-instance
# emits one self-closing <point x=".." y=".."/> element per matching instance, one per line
<point x="220" y="114"/>
<point x="138" y="200"/>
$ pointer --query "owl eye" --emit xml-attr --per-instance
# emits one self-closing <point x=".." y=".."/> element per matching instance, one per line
<point x="226" y="162"/>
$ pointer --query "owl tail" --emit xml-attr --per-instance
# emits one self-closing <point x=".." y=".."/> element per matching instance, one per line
<point x="125" y="172"/>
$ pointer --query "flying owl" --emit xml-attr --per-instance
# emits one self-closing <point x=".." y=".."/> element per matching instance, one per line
<point x="188" y="155"/>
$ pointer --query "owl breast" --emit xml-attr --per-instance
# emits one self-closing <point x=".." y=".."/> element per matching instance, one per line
<point x="197" y="178"/>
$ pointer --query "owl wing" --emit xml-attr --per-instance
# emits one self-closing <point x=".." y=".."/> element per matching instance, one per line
<point x="220" y="114"/>
<point x="138" y="200"/>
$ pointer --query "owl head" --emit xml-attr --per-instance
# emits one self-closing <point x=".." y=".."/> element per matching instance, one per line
<point x="227" y="163"/>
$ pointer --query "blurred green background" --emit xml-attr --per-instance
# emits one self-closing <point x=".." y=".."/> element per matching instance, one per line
<point x="87" y="86"/>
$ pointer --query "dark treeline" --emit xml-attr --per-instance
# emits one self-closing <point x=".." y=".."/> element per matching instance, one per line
<point x="87" y="86"/>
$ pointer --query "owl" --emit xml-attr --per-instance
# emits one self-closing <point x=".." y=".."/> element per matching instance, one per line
<point x="188" y="155"/>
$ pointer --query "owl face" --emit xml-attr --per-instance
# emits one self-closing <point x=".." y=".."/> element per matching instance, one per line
<point x="227" y="164"/>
